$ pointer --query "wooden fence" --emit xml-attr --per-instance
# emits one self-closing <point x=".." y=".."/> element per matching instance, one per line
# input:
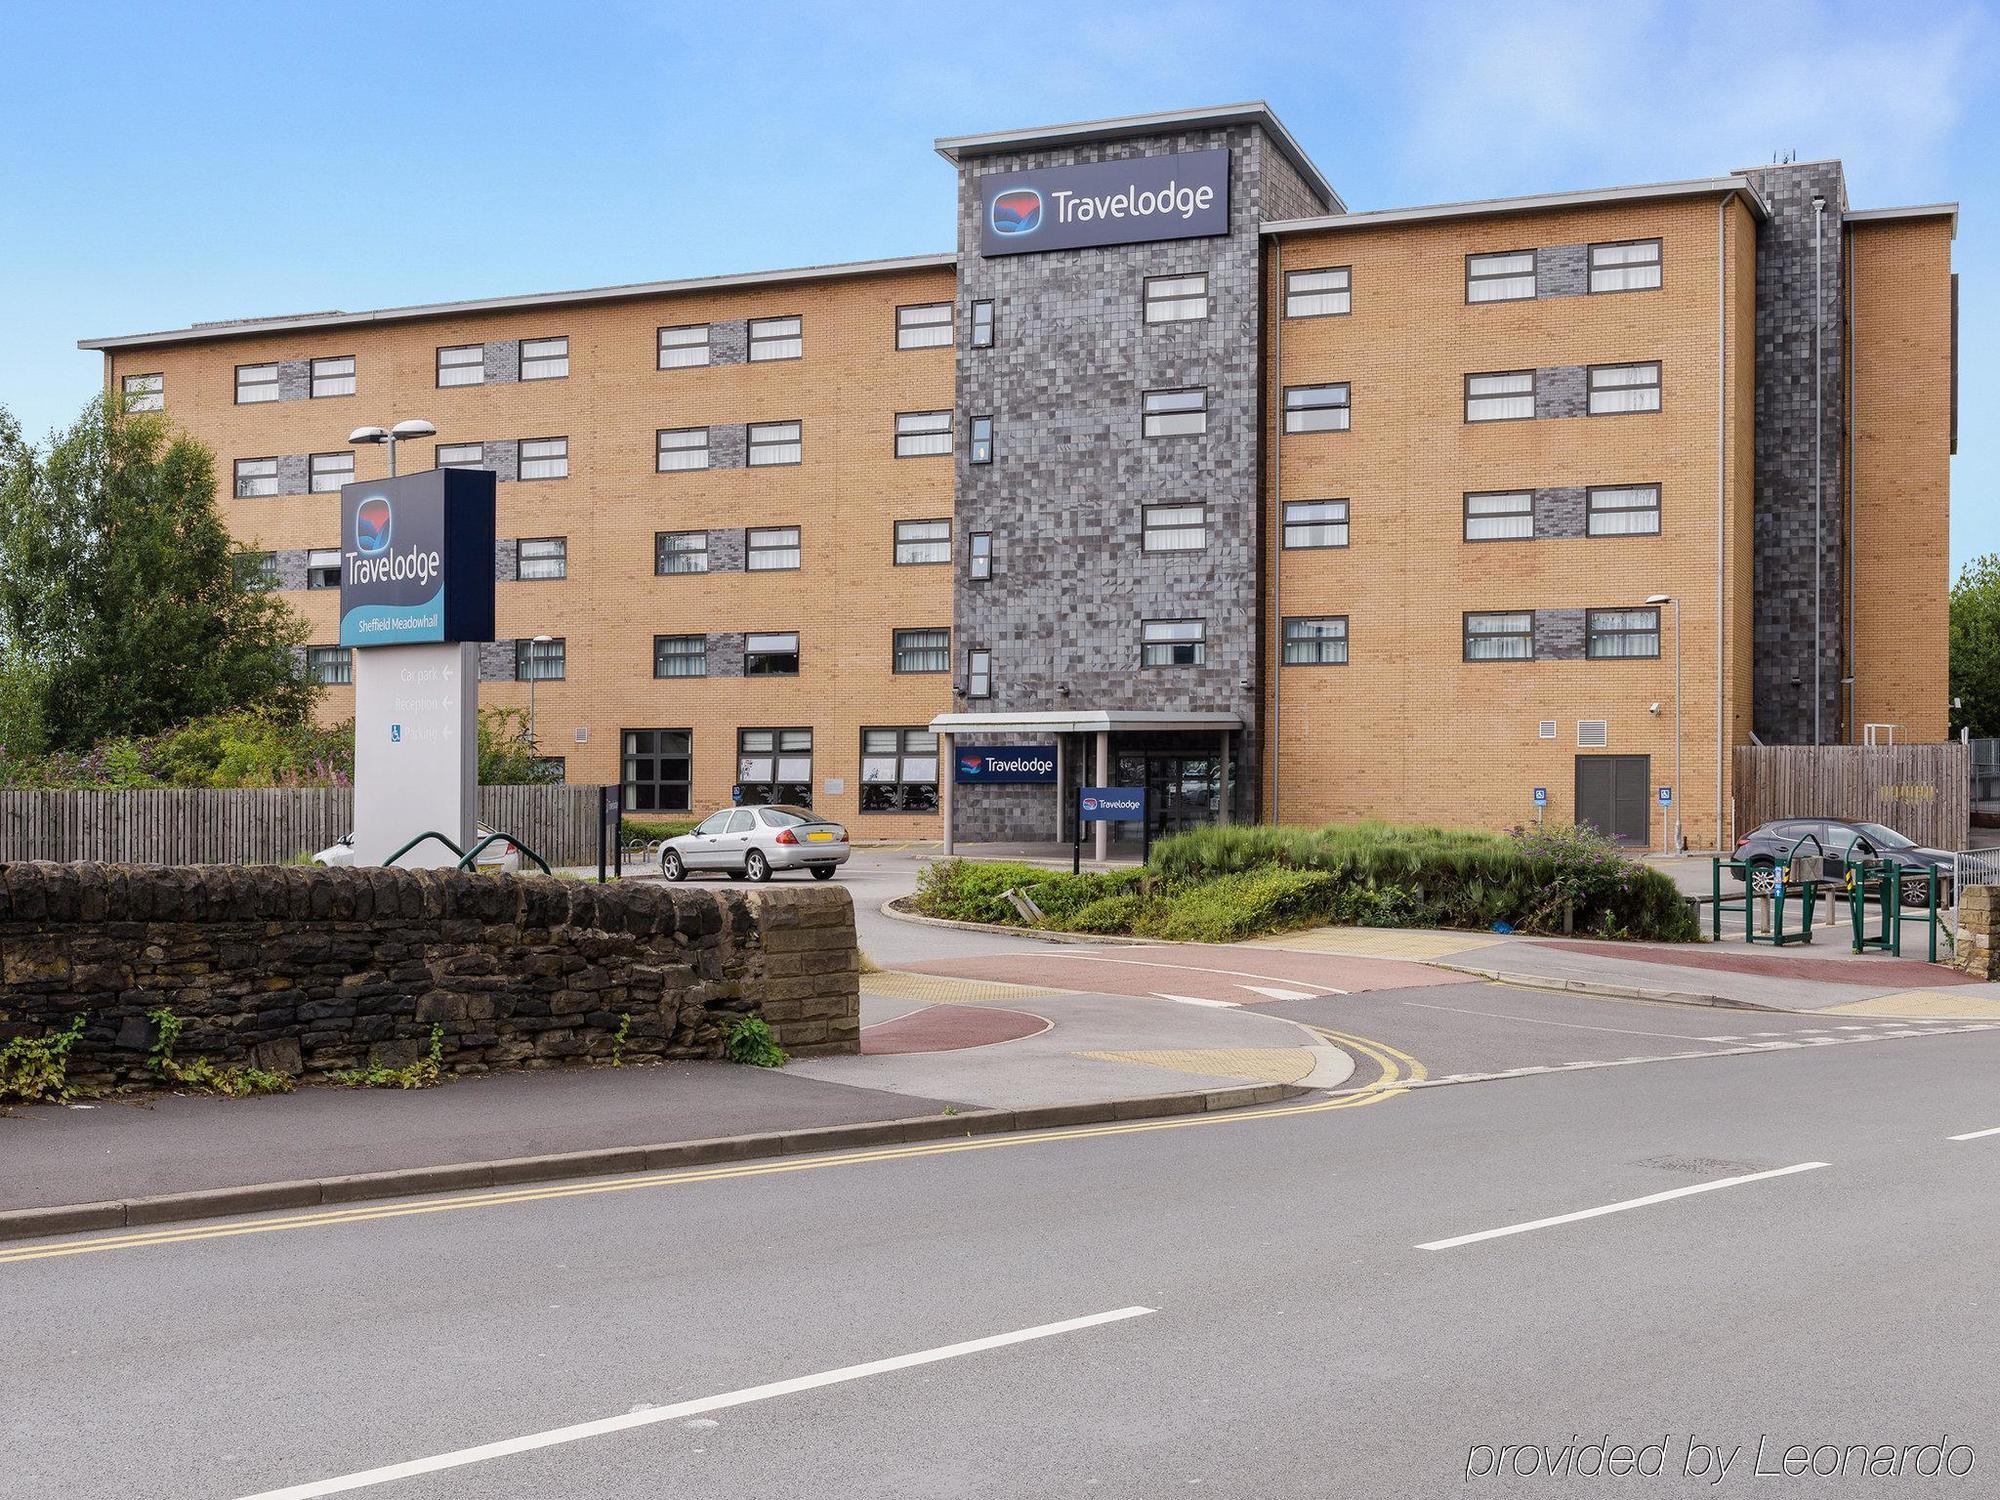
<point x="1923" y="791"/>
<point x="261" y="826"/>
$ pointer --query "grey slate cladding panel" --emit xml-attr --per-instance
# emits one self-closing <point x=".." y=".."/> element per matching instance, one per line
<point x="496" y="661"/>
<point x="1562" y="271"/>
<point x="294" y="379"/>
<point x="290" y="568"/>
<point x="503" y="457"/>
<point x="506" y="560"/>
<point x="1783" y="545"/>
<point x="725" y="550"/>
<point x="1562" y="391"/>
<point x="1072" y="358"/>
<point x="1282" y="193"/>
<point x="294" y="473"/>
<point x="1561" y="512"/>
<point x="725" y="653"/>
<point x="729" y="343"/>
<point x="728" y="445"/>
<point x="1559" y="634"/>
<point x="502" y="361"/>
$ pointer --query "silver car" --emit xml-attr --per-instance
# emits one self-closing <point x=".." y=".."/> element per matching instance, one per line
<point x="751" y="842"/>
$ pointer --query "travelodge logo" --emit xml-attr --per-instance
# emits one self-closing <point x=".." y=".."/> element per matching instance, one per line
<point x="1016" y="212"/>
<point x="374" y="523"/>
<point x="972" y="765"/>
<point x="1013" y="763"/>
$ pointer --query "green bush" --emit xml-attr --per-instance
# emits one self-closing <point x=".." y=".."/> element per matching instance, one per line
<point x="960" y="890"/>
<point x="1230" y="908"/>
<point x="1110" y="914"/>
<point x="645" y="830"/>
<point x="751" y="1042"/>
<point x="36" y="1069"/>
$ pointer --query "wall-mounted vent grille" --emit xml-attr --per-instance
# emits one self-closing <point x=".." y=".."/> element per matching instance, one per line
<point x="1592" y="734"/>
<point x="1548" y="729"/>
<point x="583" y="734"/>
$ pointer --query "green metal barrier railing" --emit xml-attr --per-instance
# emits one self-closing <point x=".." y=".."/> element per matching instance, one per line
<point x="420" y="838"/>
<point x="468" y="857"/>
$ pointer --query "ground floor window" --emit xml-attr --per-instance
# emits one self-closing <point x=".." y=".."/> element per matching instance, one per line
<point x="331" y="666"/>
<point x="775" y="765"/>
<point x="899" y="770"/>
<point x="658" y="770"/>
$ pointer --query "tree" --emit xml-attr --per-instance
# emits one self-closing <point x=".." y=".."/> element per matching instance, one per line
<point x="1975" y="647"/>
<point x="123" y="604"/>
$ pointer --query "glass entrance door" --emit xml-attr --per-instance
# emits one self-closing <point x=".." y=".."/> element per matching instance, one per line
<point x="1182" y="791"/>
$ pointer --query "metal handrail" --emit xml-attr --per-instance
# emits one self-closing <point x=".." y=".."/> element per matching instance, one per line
<point x="427" y="834"/>
<point x="465" y="860"/>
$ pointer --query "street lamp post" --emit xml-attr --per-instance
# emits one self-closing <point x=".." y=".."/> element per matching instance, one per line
<point x="416" y="427"/>
<point x="534" y="676"/>
<point x="1656" y="600"/>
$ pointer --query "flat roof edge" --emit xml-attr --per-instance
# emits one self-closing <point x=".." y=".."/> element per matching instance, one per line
<point x="1910" y="211"/>
<point x="205" y="332"/>
<point x="1480" y="207"/>
<point x="1119" y="127"/>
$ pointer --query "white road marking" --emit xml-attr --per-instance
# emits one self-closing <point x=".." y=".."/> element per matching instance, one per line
<point x="647" y="1417"/>
<point x="1198" y="1000"/>
<point x="1494" y="1015"/>
<point x="1974" y="1135"/>
<point x="1314" y="988"/>
<point x="1613" y="1208"/>
<point x="1271" y="992"/>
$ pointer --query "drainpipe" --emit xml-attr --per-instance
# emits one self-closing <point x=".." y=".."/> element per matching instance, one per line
<point x="1722" y="835"/>
<point x="1278" y="520"/>
<point x="1819" y="563"/>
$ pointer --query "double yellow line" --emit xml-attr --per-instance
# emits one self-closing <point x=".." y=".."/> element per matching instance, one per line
<point x="1387" y="1086"/>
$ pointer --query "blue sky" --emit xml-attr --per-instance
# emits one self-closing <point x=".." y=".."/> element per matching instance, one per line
<point x="161" y="164"/>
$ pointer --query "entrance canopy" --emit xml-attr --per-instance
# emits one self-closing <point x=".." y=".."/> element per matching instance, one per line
<point x="1082" y="721"/>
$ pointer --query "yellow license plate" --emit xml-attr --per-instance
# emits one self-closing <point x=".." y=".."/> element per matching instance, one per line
<point x="819" y="838"/>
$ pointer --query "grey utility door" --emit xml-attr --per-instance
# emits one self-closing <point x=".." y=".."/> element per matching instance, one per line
<point x="1614" y="796"/>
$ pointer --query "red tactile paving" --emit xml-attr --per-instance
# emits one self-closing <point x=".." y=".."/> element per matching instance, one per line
<point x="1899" y="973"/>
<point x="1206" y="973"/>
<point x="948" y="1028"/>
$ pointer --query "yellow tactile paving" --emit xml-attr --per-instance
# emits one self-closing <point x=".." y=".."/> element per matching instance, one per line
<point x="1967" y="1004"/>
<point x="1378" y="942"/>
<point x="1264" y="1064"/>
<point x="940" y="989"/>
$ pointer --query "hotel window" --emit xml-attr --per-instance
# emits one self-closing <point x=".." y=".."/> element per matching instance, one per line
<point x="1504" y="397"/>
<point x="979" y="673"/>
<point x="1315" y="523"/>
<point x="462" y="364"/>
<point x="256" y="383"/>
<point x="323" y="568"/>
<point x="1176" y="299"/>
<point x="257" y="570"/>
<point x="899" y="770"/>
<point x="982" y="324"/>
<point x="256" y="477"/>
<point x="331" y="666"/>
<point x="1508" y="276"/>
<point x="1501" y="516"/>
<point x="681" y="449"/>
<point x="545" y="359"/>
<point x="771" y="654"/>
<point x="1173" y="643"/>
<point x="775" y="765"/>
<point x="774" y="443"/>
<point x="1622" y="388"/>
<point x="923" y="542"/>
<point x="979" y="556"/>
<point x="923" y="434"/>
<point x="680" y="552"/>
<point x="1318" y="294"/>
<point x="1623" y="510"/>
<point x="329" y="471"/>
<point x="979" y="450"/>
<point x="1627" y="266"/>
<point x="1173" y="528"/>
<point x="1622" y="632"/>
<point x="1173" y="413"/>
<point x="1316" y="408"/>
<point x="461" y="455"/>
<point x="1318" y="642"/>
<point x="545" y="458"/>
<point x="771" y="549"/>
<point x="685" y="347"/>
<point x="1500" y="637"/>
<point x="921" y="651"/>
<point x="925" y="327"/>
<point x="543" y="557"/>
<point x="332" y="377"/>
<point x="541" y="661"/>
<point x="775" y="338"/>
<point x="658" y="767"/>
<point x="680" y="656"/>
<point x="145" y="392"/>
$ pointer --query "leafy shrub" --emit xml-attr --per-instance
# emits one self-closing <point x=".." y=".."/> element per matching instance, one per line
<point x="201" y="1074"/>
<point x="36" y="1069"/>
<point x="752" y="1042"/>
<point x="644" y="830"/>
<point x="961" y="890"/>
<point x="1112" y="914"/>
<point x="1232" y="907"/>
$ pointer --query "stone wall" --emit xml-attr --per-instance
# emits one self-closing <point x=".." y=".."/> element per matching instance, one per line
<point x="1977" y="950"/>
<point x="309" y="971"/>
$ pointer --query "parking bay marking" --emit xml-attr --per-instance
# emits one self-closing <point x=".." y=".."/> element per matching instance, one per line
<point x="1975" y="1135"/>
<point x="1670" y="1036"/>
<point x="576" y="1432"/>
<point x="1613" y="1208"/>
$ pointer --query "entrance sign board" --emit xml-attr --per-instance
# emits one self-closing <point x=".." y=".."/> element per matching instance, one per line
<point x="1141" y="198"/>
<point x="1111" y="804"/>
<point x="416" y="751"/>
<point x="1033" y="765"/>
<point x="416" y="559"/>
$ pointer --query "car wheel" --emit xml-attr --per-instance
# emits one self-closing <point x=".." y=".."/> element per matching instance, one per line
<point x="822" y="872"/>
<point x="756" y="867"/>
<point x="671" y="866"/>
<point x="1763" y="877"/>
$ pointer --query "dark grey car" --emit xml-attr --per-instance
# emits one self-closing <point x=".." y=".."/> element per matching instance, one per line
<point x="1767" y="848"/>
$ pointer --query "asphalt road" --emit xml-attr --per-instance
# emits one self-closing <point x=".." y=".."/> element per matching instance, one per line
<point x="1316" y="1322"/>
